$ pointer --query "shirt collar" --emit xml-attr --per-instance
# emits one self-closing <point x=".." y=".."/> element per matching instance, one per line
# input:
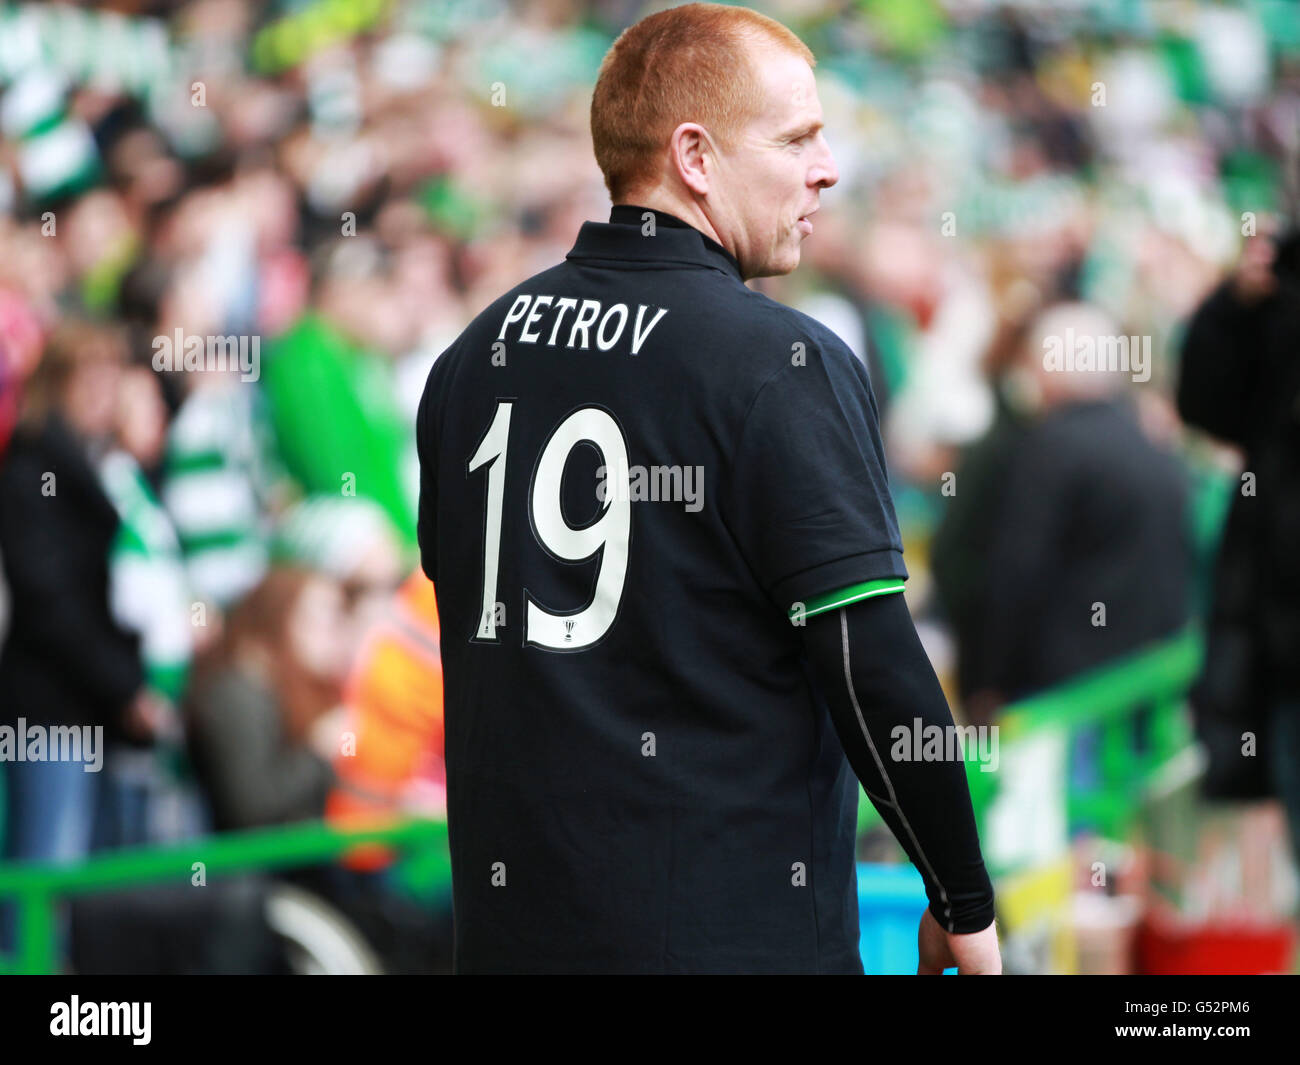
<point x="674" y="241"/>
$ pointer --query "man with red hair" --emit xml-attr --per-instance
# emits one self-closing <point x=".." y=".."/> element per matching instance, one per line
<point x="655" y="509"/>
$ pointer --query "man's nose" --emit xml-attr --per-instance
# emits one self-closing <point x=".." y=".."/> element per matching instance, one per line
<point x="825" y="173"/>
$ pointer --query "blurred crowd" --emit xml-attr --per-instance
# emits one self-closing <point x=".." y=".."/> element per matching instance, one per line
<point x="219" y="564"/>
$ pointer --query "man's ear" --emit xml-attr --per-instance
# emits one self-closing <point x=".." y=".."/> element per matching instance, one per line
<point x="693" y="157"/>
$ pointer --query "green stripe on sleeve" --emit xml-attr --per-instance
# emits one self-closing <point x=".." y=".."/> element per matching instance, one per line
<point x="819" y="604"/>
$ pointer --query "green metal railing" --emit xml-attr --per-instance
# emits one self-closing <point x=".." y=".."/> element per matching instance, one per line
<point x="1135" y="710"/>
<point x="37" y="888"/>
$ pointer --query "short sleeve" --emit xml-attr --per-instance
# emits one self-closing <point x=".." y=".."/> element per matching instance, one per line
<point x="808" y="498"/>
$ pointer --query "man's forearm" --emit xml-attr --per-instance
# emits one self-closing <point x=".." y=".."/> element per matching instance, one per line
<point x="871" y="668"/>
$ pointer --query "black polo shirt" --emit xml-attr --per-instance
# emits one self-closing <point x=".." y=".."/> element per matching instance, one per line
<point x="633" y="468"/>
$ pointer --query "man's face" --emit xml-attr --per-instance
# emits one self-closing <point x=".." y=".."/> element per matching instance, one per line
<point x="765" y="189"/>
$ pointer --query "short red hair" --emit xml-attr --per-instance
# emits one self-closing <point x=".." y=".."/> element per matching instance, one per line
<point x="688" y="64"/>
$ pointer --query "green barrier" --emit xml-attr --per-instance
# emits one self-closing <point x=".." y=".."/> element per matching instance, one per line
<point x="37" y="888"/>
<point x="1134" y="710"/>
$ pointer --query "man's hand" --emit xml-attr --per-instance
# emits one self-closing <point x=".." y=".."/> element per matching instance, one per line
<point x="974" y="954"/>
<point x="325" y="736"/>
<point x="149" y="717"/>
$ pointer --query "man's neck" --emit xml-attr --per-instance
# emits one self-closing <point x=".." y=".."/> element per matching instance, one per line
<point x="632" y="210"/>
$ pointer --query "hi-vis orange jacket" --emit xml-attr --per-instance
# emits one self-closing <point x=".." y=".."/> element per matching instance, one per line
<point x="394" y="700"/>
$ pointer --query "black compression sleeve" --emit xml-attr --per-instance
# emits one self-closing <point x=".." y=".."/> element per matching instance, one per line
<point x="869" y="664"/>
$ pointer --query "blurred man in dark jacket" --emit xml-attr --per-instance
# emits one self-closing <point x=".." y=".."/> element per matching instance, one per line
<point x="1090" y="555"/>
<point x="1241" y="382"/>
